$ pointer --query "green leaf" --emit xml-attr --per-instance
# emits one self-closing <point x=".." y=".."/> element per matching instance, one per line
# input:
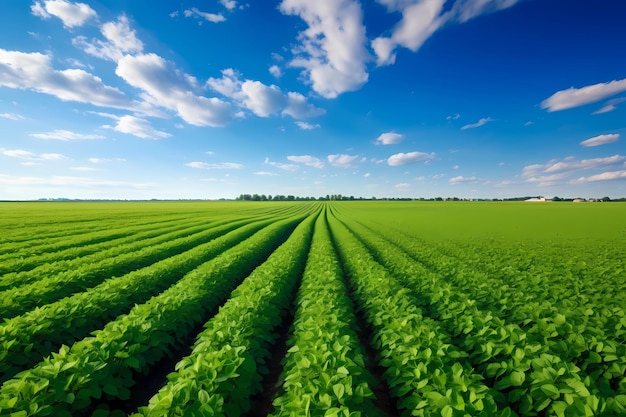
<point x="550" y="390"/>
<point x="339" y="390"/>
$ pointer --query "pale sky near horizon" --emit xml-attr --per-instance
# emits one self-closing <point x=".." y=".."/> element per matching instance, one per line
<point x="385" y="98"/>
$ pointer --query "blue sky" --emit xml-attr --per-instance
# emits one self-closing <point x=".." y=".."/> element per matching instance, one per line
<point x="385" y="98"/>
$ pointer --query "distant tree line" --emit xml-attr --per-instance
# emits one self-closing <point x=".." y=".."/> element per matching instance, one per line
<point x="339" y="197"/>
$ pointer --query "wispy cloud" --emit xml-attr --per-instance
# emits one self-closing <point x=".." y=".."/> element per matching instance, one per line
<point x="479" y="123"/>
<point x="558" y="171"/>
<point x="420" y="19"/>
<point x="409" y="158"/>
<point x="307" y="126"/>
<point x="576" y="97"/>
<point x="600" y="140"/>
<point x="209" y="17"/>
<point x="120" y="40"/>
<point x="389" y="138"/>
<point x="605" y="176"/>
<point x="453" y="116"/>
<point x="69" y="181"/>
<point x="11" y="116"/>
<point x="136" y="126"/>
<point x="307" y="160"/>
<point x="223" y="165"/>
<point x="31" y="156"/>
<point x="266" y="174"/>
<point x="65" y="135"/>
<point x="610" y="105"/>
<point x="461" y="179"/>
<point x="285" y="167"/>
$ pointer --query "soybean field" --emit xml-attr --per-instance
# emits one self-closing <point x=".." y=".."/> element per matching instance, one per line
<point x="320" y="308"/>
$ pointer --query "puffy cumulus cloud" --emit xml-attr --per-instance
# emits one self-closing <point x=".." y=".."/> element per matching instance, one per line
<point x="164" y="85"/>
<point x="136" y="126"/>
<point x="65" y="135"/>
<point x="332" y="50"/>
<point x="461" y="179"/>
<point x="31" y="156"/>
<point x="276" y="71"/>
<point x="261" y="99"/>
<point x="409" y="158"/>
<point x="389" y="138"/>
<point x="576" y="97"/>
<point x="605" y="176"/>
<point x="307" y="126"/>
<point x="479" y="123"/>
<point x="120" y="40"/>
<point x="209" y="17"/>
<point x="71" y="14"/>
<point x="307" y="160"/>
<point x="33" y="71"/>
<point x="229" y="4"/>
<point x="205" y="165"/>
<point x="422" y="18"/>
<point x="342" y="160"/>
<point x="600" y="140"/>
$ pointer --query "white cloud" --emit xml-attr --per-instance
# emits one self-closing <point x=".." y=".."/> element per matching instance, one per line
<point x="223" y="165"/>
<point x="556" y="171"/>
<point x="136" y="126"/>
<point x="332" y="49"/>
<point x="402" y="185"/>
<point x="65" y="135"/>
<point x="11" y="116"/>
<point x="307" y="126"/>
<point x="209" y="17"/>
<point x="83" y="169"/>
<point x="276" y="71"/>
<point x="479" y="123"/>
<point x="30" y="156"/>
<point x="576" y="97"/>
<point x="229" y="4"/>
<point x="389" y="138"/>
<point x="610" y="105"/>
<point x="166" y="86"/>
<point x="266" y="174"/>
<point x="307" y="160"/>
<point x="33" y="71"/>
<point x="461" y="179"/>
<point x="605" y="176"/>
<point x="600" y="140"/>
<point x="342" y="160"/>
<point x="285" y="167"/>
<point x="120" y="40"/>
<point x="454" y="116"/>
<point x="71" y="14"/>
<point x="409" y="158"/>
<point x="105" y="160"/>
<point x="261" y="99"/>
<point x="422" y="18"/>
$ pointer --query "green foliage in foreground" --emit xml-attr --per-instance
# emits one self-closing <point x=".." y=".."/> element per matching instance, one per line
<point x="470" y="309"/>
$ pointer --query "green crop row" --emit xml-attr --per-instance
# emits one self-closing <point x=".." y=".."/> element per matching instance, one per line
<point x="518" y="363"/>
<point x="42" y="264"/>
<point x="27" y="338"/>
<point x="227" y="361"/>
<point x="86" y="272"/>
<point x="426" y="373"/>
<point x="324" y="371"/>
<point x="103" y="367"/>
